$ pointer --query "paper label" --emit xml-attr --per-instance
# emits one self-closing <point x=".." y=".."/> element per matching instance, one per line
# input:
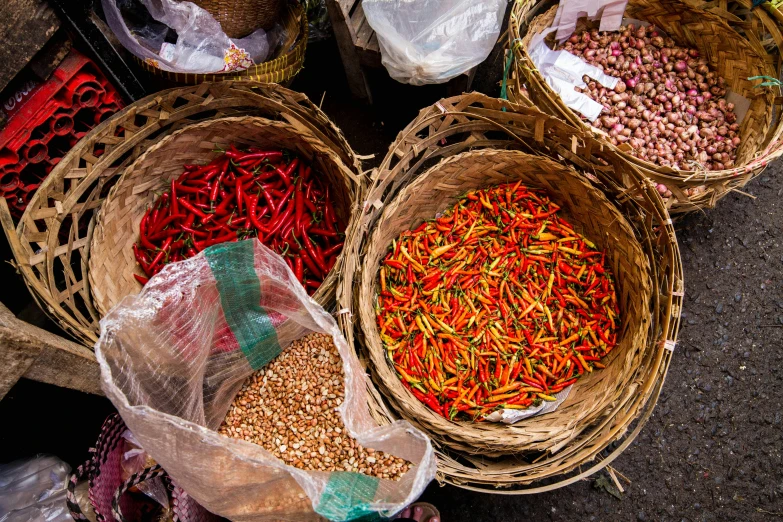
<point x="610" y="12"/>
<point x="563" y="72"/>
<point x="509" y="416"/>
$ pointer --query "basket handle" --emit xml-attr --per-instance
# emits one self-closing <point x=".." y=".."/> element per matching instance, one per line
<point x="136" y="478"/>
<point x="70" y="492"/>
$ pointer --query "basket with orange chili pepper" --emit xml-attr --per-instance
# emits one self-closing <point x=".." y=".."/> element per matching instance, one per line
<point x="497" y="304"/>
<point x="269" y="194"/>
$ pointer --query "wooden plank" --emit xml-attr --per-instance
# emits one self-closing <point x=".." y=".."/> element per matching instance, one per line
<point x="346" y="6"/>
<point x="363" y="30"/>
<point x="373" y="45"/>
<point x="461" y="83"/>
<point x="345" y="36"/>
<point x="25" y="27"/>
<point x="30" y="352"/>
<point x="369" y="58"/>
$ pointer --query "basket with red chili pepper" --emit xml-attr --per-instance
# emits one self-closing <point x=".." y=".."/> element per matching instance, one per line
<point x="472" y="144"/>
<point x="497" y="304"/>
<point x="269" y="194"/>
<point x="221" y="180"/>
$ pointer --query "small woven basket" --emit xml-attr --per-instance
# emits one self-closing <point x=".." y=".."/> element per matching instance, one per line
<point x="239" y="18"/>
<point x="734" y="54"/>
<point x="51" y="242"/>
<point x="112" y="263"/>
<point x="281" y="69"/>
<point x="473" y="141"/>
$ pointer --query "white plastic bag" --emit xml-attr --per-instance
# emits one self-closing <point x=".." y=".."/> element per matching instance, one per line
<point x="433" y="41"/>
<point x="174" y="357"/>
<point x="201" y="45"/>
<point x="563" y="71"/>
<point x="34" y="490"/>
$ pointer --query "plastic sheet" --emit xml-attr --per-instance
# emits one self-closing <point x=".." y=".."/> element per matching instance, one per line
<point x="174" y="356"/>
<point x="200" y="44"/>
<point x="34" y="490"/>
<point x="563" y="71"/>
<point x="433" y="41"/>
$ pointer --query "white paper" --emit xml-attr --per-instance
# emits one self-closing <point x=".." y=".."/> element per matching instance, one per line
<point x="563" y="72"/>
<point x="569" y="12"/>
<point x="509" y="416"/>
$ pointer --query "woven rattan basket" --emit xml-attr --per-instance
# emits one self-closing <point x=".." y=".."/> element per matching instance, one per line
<point x="111" y="261"/>
<point x="239" y="18"/>
<point x="734" y="54"/>
<point x="474" y="141"/>
<point x="51" y="242"/>
<point x="281" y="69"/>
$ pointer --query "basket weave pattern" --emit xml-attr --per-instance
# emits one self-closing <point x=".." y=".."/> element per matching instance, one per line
<point x="589" y="210"/>
<point x="280" y="69"/>
<point x="51" y="241"/>
<point x="470" y="135"/>
<point x="111" y="262"/>
<point x="239" y="18"/>
<point x="732" y="55"/>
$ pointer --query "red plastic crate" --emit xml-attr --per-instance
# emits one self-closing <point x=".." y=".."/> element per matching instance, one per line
<point x="46" y="120"/>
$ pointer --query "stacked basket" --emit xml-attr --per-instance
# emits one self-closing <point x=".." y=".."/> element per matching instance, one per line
<point x="282" y="68"/>
<point x="52" y="241"/>
<point x="472" y="141"/>
<point x="749" y="47"/>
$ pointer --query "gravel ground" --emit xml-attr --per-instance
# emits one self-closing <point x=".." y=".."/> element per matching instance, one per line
<point x="711" y="451"/>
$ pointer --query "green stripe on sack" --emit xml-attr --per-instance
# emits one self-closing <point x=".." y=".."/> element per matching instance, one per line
<point x="347" y="496"/>
<point x="240" y="297"/>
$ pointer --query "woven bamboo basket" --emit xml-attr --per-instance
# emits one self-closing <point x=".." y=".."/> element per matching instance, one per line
<point x="239" y="18"/>
<point x="473" y="141"/>
<point x="52" y="240"/>
<point x="111" y="262"/>
<point x="280" y="69"/>
<point x="750" y="50"/>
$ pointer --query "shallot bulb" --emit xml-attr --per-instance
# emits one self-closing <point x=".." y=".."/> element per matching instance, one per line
<point x="668" y="105"/>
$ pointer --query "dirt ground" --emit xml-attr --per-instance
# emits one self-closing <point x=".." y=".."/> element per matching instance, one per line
<point x="712" y="450"/>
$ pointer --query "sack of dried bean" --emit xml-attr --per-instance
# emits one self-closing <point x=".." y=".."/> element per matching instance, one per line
<point x="243" y="389"/>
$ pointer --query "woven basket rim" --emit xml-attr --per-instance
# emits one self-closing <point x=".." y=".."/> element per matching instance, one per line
<point x="278" y="70"/>
<point x="409" y="151"/>
<point x="36" y="247"/>
<point x="718" y="183"/>
<point x="322" y="295"/>
<point x="465" y="432"/>
<point x="662" y="172"/>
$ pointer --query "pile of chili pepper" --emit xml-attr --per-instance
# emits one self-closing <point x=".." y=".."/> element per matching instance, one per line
<point x="268" y="194"/>
<point x="499" y="303"/>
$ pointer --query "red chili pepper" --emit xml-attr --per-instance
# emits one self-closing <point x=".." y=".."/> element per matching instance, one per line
<point x="204" y="217"/>
<point x="278" y="221"/>
<point x="299" y="268"/>
<point x="140" y="279"/>
<point x="240" y="194"/>
<point x="322" y="232"/>
<point x="311" y="266"/>
<point x="299" y="203"/>
<point x="163" y="251"/>
<point x="141" y="259"/>
<point x="334" y="249"/>
<point x="310" y="249"/>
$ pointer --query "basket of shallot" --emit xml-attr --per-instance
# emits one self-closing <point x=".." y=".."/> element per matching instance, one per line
<point x="674" y="89"/>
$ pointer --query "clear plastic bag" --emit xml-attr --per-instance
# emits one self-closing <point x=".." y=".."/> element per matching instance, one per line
<point x="433" y="41"/>
<point x="136" y="460"/>
<point x="147" y="27"/>
<point x="174" y="356"/>
<point x="34" y="490"/>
